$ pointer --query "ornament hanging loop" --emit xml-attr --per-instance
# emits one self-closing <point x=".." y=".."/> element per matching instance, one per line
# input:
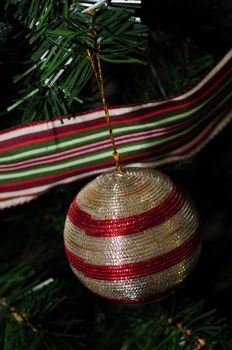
<point x="96" y="66"/>
<point x="116" y="156"/>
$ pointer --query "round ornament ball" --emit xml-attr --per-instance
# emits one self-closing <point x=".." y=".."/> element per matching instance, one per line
<point x="132" y="237"/>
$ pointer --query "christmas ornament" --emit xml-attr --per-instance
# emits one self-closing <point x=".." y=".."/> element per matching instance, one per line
<point x="132" y="236"/>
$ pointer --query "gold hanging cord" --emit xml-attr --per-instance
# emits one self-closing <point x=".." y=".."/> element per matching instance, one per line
<point x="96" y="66"/>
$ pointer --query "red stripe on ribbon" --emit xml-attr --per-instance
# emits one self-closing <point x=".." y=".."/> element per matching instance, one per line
<point x="133" y="116"/>
<point x="93" y="146"/>
<point x="129" y="225"/>
<point x="137" y="269"/>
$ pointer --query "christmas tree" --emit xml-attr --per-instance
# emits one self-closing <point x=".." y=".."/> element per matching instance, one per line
<point x="163" y="72"/>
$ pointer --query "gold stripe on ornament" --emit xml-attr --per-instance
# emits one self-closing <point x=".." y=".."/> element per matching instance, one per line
<point x="136" y="247"/>
<point x="113" y="195"/>
<point x="144" y="286"/>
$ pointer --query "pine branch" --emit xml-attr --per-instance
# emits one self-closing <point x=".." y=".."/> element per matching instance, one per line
<point x="59" y="37"/>
<point x="28" y="313"/>
<point x="52" y="84"/>
<point x="165" y="325"/>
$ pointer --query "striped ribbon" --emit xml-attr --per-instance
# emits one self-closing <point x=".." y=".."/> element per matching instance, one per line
<point x="38" y="156"/>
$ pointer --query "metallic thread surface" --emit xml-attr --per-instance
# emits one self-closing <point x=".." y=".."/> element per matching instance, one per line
<point x="132" y="237"/>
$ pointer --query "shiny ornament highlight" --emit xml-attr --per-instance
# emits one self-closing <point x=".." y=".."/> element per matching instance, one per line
<point x="132" y="237"/>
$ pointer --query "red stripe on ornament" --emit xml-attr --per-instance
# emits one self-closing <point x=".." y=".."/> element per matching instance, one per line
<point x="137" y="269"/>
<point x="128" y="225"/>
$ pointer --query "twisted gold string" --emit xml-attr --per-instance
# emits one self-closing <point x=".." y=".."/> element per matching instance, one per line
<point x="96" y="66"/>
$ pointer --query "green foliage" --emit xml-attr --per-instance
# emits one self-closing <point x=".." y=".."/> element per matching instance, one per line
<point x="29" y="308"/>
<point x="59" y="36"/>
<point x="174" y="64"/>
<point x="52" y="75"/>
<point x="165" y="325"/>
